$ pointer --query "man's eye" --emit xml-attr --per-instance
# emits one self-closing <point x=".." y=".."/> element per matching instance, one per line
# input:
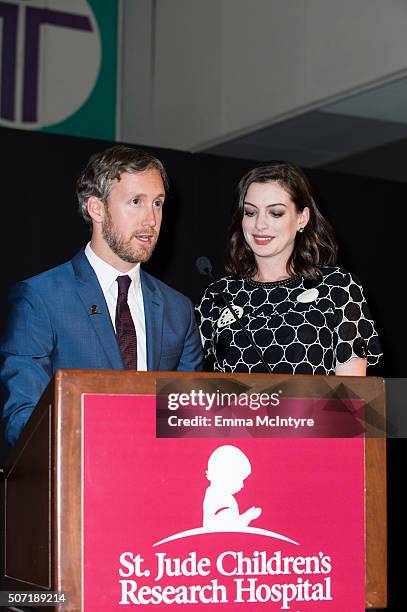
<point x="135" y="201"/>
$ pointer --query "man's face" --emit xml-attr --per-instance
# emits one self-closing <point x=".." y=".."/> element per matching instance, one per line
<point x="133" y="215"/>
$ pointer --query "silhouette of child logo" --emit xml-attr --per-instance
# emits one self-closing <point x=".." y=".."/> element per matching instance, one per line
<point x="228" y="467"/>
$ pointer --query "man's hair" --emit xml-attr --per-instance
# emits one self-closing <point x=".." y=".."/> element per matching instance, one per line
<point x="103" y="168"/>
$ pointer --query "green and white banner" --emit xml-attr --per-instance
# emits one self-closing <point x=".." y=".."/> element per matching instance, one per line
<point x="58" y="68"/>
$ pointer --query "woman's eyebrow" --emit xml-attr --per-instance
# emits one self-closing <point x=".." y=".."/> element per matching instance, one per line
<point x="268" y="205"/>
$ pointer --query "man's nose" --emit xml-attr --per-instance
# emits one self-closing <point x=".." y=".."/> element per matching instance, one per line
<point x="149" y="218"/>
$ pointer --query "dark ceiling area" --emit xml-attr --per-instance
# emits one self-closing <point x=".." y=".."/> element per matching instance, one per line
<point x="364" y="134"/>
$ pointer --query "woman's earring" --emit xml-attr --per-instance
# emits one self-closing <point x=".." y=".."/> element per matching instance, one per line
<point x="300" y="230"/>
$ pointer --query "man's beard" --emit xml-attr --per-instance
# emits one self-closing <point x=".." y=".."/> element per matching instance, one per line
<point x="124" y="248"/>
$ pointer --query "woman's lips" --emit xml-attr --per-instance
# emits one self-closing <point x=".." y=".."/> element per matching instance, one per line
<point x="262" y="240"/>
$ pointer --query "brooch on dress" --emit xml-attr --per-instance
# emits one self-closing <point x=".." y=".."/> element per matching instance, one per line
<point x="310" y="295"/>
<point x="226" y="317"/>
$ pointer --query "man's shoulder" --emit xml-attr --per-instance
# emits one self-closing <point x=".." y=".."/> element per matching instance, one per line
<point x="51" y="274"/>
<point x="168" y="292"/>
<point x="60" y="276"/>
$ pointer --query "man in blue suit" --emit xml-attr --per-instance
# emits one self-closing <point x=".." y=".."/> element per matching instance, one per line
<point x="100" y="310"/>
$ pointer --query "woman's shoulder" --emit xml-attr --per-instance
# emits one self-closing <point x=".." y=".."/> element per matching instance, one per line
<point x="342" y="286"/>
<point x="231" y="284"/>
<point x="337" y="276"/>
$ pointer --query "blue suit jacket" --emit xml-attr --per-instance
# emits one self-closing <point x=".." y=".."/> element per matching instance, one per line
<point x="60" y="319"/>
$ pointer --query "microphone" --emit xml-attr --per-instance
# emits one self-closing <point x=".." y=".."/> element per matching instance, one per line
<point x="204" y="267"/>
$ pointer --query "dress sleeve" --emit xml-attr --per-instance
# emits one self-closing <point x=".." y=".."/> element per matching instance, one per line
<point x="206" y="327"/>
<point x="355" y="331"/>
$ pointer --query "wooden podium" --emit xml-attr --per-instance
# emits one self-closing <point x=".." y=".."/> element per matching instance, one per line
<point x="43" y="505"/>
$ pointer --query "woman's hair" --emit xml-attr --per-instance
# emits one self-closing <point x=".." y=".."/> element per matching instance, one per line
<point x="314" y="247"/>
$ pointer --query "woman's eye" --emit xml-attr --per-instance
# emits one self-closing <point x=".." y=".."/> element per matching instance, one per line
<point x="249" y="213"/>
<point x="135" y="201"/>
<point x="276" y="215"/>
<point x="158" y="203"/>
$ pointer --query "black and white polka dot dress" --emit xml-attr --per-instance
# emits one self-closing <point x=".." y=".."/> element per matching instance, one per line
<point x="300" y="326"/>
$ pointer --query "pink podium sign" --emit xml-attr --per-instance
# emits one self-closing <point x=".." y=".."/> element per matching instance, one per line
<point x="234" y="523"/>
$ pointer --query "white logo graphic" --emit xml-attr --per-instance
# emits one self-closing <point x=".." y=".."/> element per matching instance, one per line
<point x="226" y="317"/>
<point x="310" y="295"/>
<point x="51" y="57"/>
<point x="228" y="467"/>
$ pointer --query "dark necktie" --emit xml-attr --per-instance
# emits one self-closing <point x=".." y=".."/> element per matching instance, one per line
<point x="125" y="330"/>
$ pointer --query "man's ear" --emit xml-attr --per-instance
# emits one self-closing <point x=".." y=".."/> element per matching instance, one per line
<point x="96" y="209"/>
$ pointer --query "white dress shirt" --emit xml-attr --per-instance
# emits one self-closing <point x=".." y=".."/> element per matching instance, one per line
<point x="107" y="276"/>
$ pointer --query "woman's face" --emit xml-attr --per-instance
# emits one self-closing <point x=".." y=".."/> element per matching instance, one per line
<point x="271" y="221"/>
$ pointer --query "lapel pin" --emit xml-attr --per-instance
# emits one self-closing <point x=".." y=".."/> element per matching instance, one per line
<point x="94" y="309"/>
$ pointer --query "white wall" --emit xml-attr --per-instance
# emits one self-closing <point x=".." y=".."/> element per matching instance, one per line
<point x="198" y="73"/>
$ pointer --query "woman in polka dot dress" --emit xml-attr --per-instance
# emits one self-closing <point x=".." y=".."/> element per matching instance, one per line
<point x="305" y="314"/>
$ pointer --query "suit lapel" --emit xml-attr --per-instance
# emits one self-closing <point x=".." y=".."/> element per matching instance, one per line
<point x="153" y="314"/>
<point x="94" y="302"/>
